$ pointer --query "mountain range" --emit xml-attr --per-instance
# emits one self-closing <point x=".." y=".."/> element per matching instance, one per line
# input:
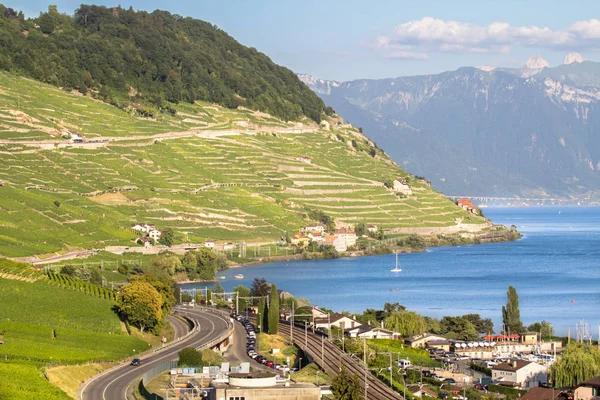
<point x="485" y="131"/>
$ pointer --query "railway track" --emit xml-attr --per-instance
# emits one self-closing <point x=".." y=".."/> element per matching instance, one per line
<point x="331" y="359"/>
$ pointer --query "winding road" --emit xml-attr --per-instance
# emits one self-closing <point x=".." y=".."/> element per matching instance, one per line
<point x="113" y="383"/>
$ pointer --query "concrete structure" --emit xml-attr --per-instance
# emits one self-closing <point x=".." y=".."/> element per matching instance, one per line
<point x="337" y="242"/>
<point x="339" y="320"/>
<point x="508" y="348"/>
<point x="209" y="244"/>
<point x="261" y="386"/>
<point x="370" y="332"/>
<point x="421" y="340"/>
<point x="401" y="186"/>
<point x="529" y="338"/>
<point x="588" y="390"/>
<point x="348" y="236"/>
<point x="519" y="373"/>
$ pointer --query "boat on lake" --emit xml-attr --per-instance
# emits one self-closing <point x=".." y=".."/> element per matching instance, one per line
<point x="396" y="269"/>
<point x="239" y="276"/>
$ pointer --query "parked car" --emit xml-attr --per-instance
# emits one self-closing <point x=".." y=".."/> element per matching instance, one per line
<point x="443" y="395"/>
<point x="450" y="380"/>
<point x="438" y="377"/>
<point x="136" y="362"/>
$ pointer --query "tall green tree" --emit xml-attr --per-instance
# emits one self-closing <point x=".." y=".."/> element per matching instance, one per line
<point x="167" y="237"/>
<point x="346" y="386"/>
<point x="260" y="320"/>
<point x="189" y="357"/>
<point x="511" y="315"/>
<point x="259" y="287"/>
<point x="406" y="323"/>
<point x="242" y="291"/>
<point x="274" y="310"/>
<point x="579" y="362"/>
<point x="141" y="304"/>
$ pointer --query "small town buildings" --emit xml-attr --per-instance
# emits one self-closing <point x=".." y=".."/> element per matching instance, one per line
<point x="228" y="246"/>
<point x="529" y="338"/>
<point x="370" y="332"/>
<point x="371" y="228"/>
<point x="318" y="313"/>
<point x="348" y="236"/>
<point x="141" y="227"/>
<point x="209" y="243"/>
<point x="261" y="386"/>
<point x="421" y="340"/>
<point x="315" y="228"/>
<point x="337" y="242"/>
<point x="519" y="373"/>
<point x="588" y="390"/>
<point x="300" y="240"/>
<point x="317" y="237"/>
<point x="339" y="320"/>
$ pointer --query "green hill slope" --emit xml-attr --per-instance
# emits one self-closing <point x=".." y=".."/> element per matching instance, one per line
<point x="206" y="172"/>
<point x="127" y="57"/>
<point x="42" y="326"/>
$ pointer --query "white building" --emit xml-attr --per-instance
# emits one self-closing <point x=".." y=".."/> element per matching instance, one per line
<point x="337" y="242"/>
<point x="140" y="227"/>
<point x="401" y="186"/>
<point x="154" y="234"/>
<point x="519" y="373"/>
<point x="209" y="244"/>
<point x="339" y="320"/>
<point x="315" y="228"/>
<point x="370" y="332"/>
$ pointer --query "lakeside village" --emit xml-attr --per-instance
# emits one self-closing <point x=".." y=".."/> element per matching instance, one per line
<point x="321" y="236"/>
<point x="529" y="365"/>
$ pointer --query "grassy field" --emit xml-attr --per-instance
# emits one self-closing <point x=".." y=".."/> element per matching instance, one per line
<point x="207" y="172"/>
<point x="42" y="325"/>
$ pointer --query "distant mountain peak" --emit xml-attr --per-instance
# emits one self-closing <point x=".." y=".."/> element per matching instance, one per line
<point x="536" y="62"/>
<point x="486" y="68"/>
<point x="573" y="58"/>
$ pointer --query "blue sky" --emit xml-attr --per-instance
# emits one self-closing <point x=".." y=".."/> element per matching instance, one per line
<point x="351" y="39"/>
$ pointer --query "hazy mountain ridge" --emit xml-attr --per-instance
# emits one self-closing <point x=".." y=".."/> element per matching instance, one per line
<point x="482" y="131"/>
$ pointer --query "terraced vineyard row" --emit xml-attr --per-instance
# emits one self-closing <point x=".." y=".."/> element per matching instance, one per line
<point x="68" y="282"/>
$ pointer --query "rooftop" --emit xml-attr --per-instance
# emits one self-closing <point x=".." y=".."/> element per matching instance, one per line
<point x="511" y="366"/>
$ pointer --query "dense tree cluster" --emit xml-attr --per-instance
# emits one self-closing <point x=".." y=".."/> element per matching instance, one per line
<point x="125" y="57"/>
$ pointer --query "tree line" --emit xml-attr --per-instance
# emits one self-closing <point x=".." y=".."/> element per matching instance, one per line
<point x="156" y="59"/>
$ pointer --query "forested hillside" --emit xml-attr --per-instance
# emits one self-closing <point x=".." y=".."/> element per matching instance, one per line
<point x="130" y="58"/>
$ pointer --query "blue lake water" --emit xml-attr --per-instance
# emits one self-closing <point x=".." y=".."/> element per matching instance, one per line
<point x="555" y="269"/>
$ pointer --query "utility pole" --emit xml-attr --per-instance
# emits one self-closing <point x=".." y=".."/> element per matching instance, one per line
<point x="292" y="324"/>
<point x="365" y="361"/>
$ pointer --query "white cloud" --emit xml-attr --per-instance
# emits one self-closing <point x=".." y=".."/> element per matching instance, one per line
<point x="406" y="55"/>
<point x="427" y="35"/>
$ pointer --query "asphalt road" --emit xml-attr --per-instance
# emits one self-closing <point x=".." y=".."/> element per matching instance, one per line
<point x="180" y="326"/>
<point x="113" y="385"/>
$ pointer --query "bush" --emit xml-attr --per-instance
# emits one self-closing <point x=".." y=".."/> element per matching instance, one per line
<point x="190" y="357"/>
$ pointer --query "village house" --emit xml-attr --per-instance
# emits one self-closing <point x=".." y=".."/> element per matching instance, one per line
<point x="421" y="340"/>
<point x="209" y="243"/>
<point x="348" y="236"/>
<point x="300" y="240"/>
<point x="370" y="332"/>
<point x="141" y="227"/>
<point x="315" y="228"/>
<point x="337" y="242"/>
<point x="466" y="204"/>
<point x="154" y="234"/>
<point x="371" y="228"/>
<point x="520" y="374"/>
<point x="318" y="313"/>
<point x="339" y="320"/>
<point x="540" y="393"/>
<point x="588" y="390"/>
<point x="316" y="237"/>
<point x="228" y="246"/>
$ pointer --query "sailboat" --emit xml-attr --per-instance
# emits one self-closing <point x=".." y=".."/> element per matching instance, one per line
<point x="396" y="269"/>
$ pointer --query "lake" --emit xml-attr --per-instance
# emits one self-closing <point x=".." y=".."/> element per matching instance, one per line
<point x="554" y="267"/>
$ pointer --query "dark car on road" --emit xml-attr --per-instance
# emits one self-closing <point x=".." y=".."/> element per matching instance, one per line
<point x="136" y="362"/>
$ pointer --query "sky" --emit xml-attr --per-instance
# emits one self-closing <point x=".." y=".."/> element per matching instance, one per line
<point x="353" y="39"/>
